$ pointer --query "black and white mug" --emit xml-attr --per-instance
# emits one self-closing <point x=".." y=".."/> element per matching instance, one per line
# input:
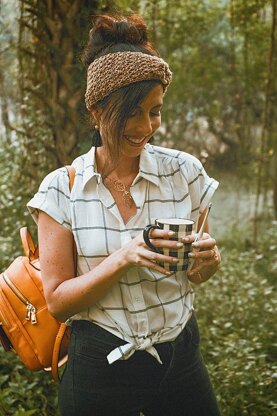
<point x="181" y="227"/>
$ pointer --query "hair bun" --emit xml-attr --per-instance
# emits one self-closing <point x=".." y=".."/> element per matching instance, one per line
<point x="131" y="29"/>
<point x="107" y="30"/>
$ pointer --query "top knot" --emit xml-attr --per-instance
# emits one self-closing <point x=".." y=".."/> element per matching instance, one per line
<point x="115" y="33"/>
<point x="119" y="30"/>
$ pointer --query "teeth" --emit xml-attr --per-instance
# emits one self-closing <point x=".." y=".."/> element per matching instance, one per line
<point x="136" y="141"/>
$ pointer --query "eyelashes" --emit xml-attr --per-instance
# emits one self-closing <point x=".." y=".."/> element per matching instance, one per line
<point x="151" y="114"/>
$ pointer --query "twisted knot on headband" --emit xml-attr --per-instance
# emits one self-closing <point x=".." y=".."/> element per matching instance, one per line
<point x="115" y="70"/>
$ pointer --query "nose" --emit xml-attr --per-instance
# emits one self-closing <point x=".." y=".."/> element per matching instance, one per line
<point x="144" y="126"/>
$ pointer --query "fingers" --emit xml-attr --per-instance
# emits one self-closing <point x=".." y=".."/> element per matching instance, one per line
<point x="160" y="243"/>
<point x="203" y="266"/>
<point x="157" y="257"/>
<point x="157" y="233"/>
<point x="207" y="254"/>
<point x="164" y="239"/>
<point x="148" y="258"/>
<point x="205" y="244"/>
<point x="205" y="259"/>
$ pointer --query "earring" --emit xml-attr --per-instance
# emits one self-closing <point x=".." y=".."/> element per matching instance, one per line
<point x="96" y="127"/>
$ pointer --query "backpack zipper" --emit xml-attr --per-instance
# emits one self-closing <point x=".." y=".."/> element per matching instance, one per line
<point x="30" y="309"/>
<point x="3" y="319"/>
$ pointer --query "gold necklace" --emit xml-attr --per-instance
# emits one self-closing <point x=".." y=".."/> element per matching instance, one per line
<point x="126" y="195"/>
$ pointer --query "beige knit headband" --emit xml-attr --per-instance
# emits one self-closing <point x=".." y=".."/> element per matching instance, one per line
<point x="115" y="70"/>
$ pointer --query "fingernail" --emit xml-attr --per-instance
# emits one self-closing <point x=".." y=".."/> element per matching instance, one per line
<point x="171" y="233"/>
<point x="195" y="244"/>
<point x="185" y="239"/>
<point x="191" y="254"/>
<point x="175" y="260"/>
<point x="168" y="273"/>
<point x="180" y="245"/>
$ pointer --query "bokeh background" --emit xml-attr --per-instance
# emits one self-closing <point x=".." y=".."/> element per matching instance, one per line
<point x="221" y="107"/>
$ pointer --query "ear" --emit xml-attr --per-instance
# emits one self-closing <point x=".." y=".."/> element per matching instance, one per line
<point x="96" y="112"/>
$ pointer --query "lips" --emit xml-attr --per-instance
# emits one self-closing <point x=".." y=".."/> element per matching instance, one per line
<point x="134" y="141"/>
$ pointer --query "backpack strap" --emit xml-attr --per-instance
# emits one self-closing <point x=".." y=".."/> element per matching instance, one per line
<point x="30" y="250"/>
<point x="71" y="173"/>
<point x="56" y="363"/>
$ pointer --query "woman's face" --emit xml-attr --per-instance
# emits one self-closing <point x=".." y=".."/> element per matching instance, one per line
<point x="142" y="123"/>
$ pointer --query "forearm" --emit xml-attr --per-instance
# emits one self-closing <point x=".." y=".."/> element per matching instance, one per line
<point x="79" y="293"/>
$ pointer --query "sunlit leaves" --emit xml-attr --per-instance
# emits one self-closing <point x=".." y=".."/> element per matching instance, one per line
<point x="236" y="311"/>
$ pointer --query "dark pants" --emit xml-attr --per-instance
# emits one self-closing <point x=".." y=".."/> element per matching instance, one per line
<point x="91" y="386"/>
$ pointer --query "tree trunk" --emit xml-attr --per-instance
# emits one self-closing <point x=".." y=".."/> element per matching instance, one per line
<point x="264" y="133"/>
<point x="55" y="31"/>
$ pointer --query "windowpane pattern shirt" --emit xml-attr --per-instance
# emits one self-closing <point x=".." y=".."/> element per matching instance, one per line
<point x="144" y="307"/>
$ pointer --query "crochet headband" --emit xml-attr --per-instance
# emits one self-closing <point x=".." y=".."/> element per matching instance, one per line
<point x="115" y="70"/>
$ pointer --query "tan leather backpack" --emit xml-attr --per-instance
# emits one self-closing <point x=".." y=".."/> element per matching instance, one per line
<point x="26" y="326"/>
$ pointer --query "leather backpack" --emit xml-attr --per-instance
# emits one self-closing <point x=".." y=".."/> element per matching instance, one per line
<point x="26" y="326"/>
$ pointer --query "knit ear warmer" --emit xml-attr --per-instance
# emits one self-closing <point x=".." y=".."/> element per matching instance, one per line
<point x="115" y="70"/>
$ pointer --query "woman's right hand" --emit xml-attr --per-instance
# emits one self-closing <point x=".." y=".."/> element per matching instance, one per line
<point x="137" y="253"/>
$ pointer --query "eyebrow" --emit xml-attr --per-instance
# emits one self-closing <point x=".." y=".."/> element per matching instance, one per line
<point x="155" y="106"/>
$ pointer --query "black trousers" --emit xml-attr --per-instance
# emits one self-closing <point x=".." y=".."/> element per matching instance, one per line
<point x="90" y="386"/>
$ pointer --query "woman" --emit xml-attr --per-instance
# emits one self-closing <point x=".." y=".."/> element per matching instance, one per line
<point x="134" y="339"/>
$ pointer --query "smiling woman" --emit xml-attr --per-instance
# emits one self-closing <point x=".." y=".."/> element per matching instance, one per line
<point x="134" y="342"/>
<point x="131" y="70"/>
<point x="140" y="125"/>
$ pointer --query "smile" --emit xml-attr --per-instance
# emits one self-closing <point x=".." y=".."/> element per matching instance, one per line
<point x="133" y="141"/>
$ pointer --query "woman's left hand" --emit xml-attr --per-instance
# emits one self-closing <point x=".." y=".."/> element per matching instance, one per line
<point x="207" y="260"/>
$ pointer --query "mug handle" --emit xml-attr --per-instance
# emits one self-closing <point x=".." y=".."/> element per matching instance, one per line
<point x="146" y="233"/>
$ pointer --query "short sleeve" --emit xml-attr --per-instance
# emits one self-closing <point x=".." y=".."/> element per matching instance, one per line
<point x="201" y="185"/>
<point x="53" y="197"/>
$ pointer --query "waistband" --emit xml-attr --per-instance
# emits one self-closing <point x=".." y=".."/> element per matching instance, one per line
<point x="121" y="350"/>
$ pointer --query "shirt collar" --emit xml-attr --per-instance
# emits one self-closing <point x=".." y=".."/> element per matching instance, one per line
<point x="148" y="166"/>
<point x="90" y="170"/>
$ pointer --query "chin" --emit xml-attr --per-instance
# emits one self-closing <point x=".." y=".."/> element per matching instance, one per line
<point x="132" y="152"/>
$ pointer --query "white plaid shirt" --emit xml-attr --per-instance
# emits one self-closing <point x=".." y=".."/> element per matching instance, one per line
<point x="144" y="307"/>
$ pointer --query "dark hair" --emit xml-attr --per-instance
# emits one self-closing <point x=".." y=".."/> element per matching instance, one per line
<point x="110" y="34"/>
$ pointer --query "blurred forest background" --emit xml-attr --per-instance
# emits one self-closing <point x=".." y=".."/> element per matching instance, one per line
<point x="221" y="107"/>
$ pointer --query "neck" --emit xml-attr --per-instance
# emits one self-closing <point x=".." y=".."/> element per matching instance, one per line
<point x="127" y="166"/>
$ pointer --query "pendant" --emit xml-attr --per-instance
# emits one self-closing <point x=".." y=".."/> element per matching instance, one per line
<point x="126" y="195"/>
<point x="119" y="186"/>
<point x="127" y="199"/>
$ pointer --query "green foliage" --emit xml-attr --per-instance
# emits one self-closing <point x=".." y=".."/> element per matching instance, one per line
<point x="17" y="185"/>
<point x="218" y="51"/>
<point x="236" y="313"/>
<point x="23" y="392"/>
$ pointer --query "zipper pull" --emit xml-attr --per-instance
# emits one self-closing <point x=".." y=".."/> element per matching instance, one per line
<point x="33" y="315"/>
<point x="28" y="311"/>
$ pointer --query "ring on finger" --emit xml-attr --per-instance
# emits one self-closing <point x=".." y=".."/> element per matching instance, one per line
<point x="214" y="255"/>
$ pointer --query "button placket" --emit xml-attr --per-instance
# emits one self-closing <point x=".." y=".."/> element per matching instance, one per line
<point x="139" y="304"/>
<point x="107" y="200"/>
<point x="138" y="192"/>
